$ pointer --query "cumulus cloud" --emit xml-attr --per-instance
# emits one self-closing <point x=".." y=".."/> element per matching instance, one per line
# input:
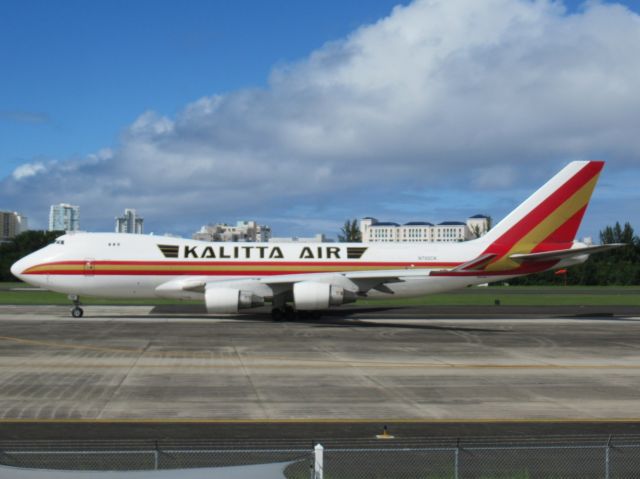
<point x="425" y="98"/>
<point x="26" y="170"/>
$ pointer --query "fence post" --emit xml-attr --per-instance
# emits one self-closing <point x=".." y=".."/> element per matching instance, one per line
<point x="318" y="467"/>
<point x="606" y="459"/>
<point x="456" y="460"/>
<point x="155" y="457"/>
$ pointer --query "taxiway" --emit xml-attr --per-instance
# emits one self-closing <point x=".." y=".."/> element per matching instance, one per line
<point x="134" y="363"/>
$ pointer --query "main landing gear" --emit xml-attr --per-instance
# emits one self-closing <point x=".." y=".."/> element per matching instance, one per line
<point x="76" y="311"/>
<point x="283" y="313"/>
<point x="287" y="313"/>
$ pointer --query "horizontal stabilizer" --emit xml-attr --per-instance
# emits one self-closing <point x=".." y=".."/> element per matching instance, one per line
<point x="564" y="253"/>
<point x="476" y="264"/>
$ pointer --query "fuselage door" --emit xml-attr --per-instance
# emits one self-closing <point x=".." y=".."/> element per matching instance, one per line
<point x="89" y="267"/>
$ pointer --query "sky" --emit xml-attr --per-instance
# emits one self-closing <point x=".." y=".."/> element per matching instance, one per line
<point x="303" y="114"/>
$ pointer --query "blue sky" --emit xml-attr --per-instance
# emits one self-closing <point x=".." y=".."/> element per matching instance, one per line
<point x="98" y="93"/>
<point x="79" y="72"/>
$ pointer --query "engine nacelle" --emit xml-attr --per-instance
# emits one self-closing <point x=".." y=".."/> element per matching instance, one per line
<point x="228" y="300"/>
<point x="310" y="295"/>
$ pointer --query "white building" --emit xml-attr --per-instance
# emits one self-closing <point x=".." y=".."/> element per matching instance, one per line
<point x="373" y="230"/>
<point x="319" y="238"/>
<point x="129" y="223"/>
<point x="478" y="225"/>
<point x="12" y="224"/>
<point x="242" y="231"/>
<point x="64" y="217"/>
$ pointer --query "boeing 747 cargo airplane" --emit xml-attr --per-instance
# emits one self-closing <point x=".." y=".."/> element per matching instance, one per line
<point x="305" y="278"/>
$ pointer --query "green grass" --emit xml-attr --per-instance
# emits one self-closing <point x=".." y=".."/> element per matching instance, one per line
<point x="39" y="297"/>
<point x="527" y="296"/>
<point x="508" y="296"/>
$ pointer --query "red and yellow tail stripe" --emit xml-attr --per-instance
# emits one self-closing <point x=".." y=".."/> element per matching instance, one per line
<point x="551" y="225"/>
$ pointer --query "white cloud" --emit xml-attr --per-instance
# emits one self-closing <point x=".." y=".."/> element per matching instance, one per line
<point x="26" y="170"/>
<point x="427" y="96"/>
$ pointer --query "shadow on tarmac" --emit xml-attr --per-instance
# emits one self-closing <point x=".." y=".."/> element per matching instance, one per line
<point x="346" y="318"/>
<point x="358" y="323"/>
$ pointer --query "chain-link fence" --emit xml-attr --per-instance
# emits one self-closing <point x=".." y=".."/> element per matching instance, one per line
<point x="513" y="458"/>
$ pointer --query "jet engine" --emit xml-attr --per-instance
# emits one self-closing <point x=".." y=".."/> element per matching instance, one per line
<point x="229" y="300"/>
<point x="311" y="295"/>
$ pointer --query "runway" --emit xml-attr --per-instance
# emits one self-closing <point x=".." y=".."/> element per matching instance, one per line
<point x="128" y="363"/>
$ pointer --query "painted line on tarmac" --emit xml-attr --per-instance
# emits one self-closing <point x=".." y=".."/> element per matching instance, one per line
<point x="322" y="365"/>
<point x="319" y="421"/>
<point x="293" y="362"/>
<point x="36" y="342"/>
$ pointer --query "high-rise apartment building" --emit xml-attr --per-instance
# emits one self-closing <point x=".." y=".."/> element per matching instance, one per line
<point x="64" y="217"/>
<point x="129" y="223"/>
<point x="11" y="224"/>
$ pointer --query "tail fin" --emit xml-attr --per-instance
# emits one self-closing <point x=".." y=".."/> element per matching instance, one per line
<point x="548" y="220"/>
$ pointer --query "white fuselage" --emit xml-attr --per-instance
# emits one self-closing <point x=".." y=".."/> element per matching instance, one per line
<point x="134" y="266"/>
<point x="536" y="236"/>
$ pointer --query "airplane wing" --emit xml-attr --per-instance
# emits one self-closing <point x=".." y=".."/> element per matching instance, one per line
<point x="394" y="276"/>
<point x="309" y="291"/>
<point x="564" y="254"/>
<point x="362" y="281"/>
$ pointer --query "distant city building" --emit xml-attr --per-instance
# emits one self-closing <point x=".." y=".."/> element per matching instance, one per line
<point x="319" y="238"/>
<point x="12" y="223"/>
<point x="64" y="217"/>
<point x="242" y="231"/>
<point x="129" y="223"/>
<point x="373" y="230"/>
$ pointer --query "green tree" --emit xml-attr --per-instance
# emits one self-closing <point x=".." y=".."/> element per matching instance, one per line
<point x="475" y="230"/>
<point x="620" y="266"/>
<point x="20" y="246"/>
<point x="350" y="232"/>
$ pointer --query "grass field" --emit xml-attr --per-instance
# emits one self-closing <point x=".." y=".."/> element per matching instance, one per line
<point x="10" y="293"/>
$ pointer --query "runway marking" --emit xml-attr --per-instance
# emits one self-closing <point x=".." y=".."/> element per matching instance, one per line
<point x="69" y="346"/>
<point x="294" y="363"/>
<point x="318" y="421"/>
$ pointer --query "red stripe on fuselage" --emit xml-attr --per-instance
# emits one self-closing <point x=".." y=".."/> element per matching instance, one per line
<point x="94" y="270"/>
<point x="255" y="263"/>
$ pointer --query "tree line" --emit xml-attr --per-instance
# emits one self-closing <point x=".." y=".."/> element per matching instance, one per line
<point x="23" y="244"/>
<point x="620" y="266"/>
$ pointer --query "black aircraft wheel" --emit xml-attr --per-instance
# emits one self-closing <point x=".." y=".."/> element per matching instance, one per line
<point x="77" y="312"/>
<point x="277" y="314"/>
<point x="309" y="315"/>
<point x="290" y="314"/>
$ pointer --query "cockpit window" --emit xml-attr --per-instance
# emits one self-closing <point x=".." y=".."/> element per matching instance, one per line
<point x="59" y="242"/>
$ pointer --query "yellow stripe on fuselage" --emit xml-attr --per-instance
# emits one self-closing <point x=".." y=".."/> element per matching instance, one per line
<point x="98" y="267"/>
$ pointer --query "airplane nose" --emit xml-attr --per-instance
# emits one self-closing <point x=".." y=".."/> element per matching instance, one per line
<point x="17" y="268"/>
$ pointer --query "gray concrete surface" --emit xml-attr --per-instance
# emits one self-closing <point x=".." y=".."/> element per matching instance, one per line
<point x="125" y="363"/>
<point x="264" y="471"/>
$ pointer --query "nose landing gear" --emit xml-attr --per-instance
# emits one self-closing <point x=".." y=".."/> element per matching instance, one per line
<point x="76" y="311"/>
